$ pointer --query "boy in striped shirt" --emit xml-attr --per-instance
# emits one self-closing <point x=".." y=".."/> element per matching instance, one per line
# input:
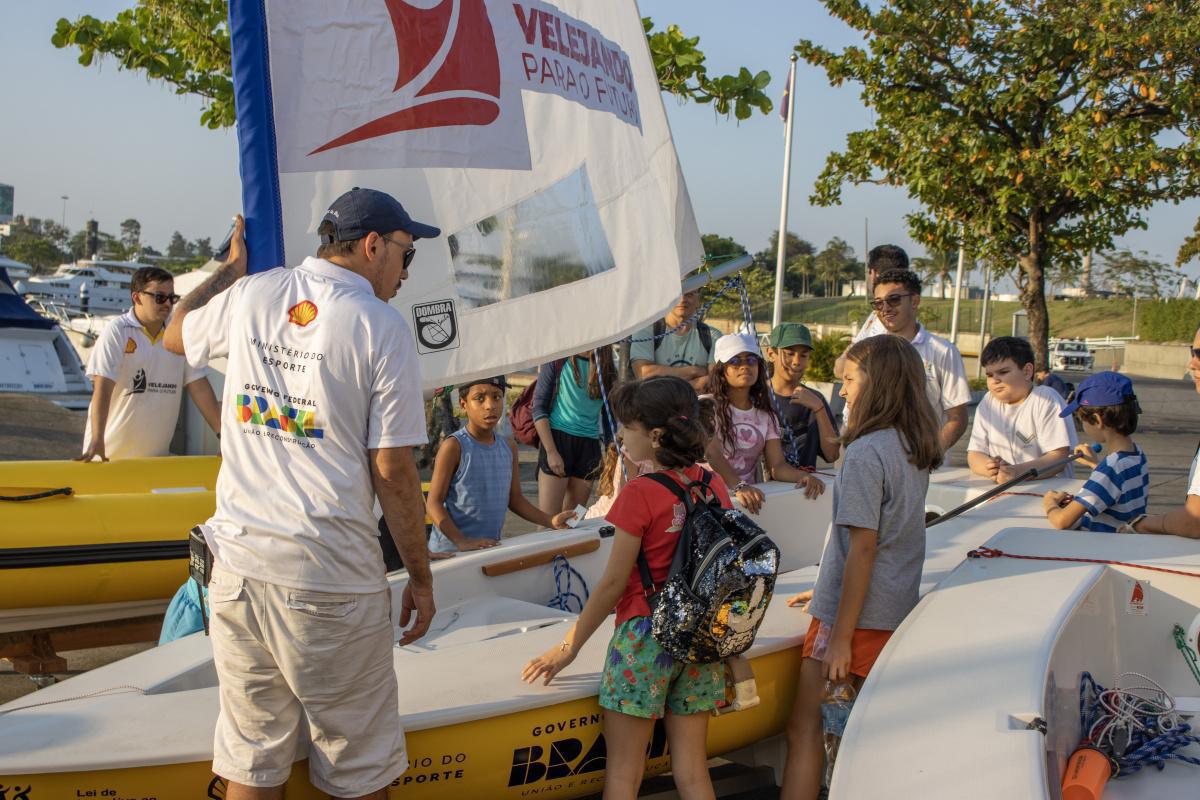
<point x="1116" y="493"/>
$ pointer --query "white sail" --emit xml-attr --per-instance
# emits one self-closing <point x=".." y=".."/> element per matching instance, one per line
<point x="532" y="133"/>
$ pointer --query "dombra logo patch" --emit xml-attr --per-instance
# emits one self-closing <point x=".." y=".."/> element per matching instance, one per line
<point x="436" y="326"/>
<point x="302" y="313"/>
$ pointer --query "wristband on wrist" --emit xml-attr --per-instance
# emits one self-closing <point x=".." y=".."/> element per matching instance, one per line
<point x="740" y="486"/>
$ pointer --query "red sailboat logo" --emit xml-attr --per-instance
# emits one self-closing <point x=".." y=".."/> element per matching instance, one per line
<point x="448" y="60"/>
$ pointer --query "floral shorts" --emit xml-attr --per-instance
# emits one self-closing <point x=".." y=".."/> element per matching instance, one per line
<point x="642" y="680"/>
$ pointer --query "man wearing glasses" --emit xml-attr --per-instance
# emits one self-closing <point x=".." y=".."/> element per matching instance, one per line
<point x="897" y="301"/>
<point x="884" y="258"/>
<point x="137" y="383"/>
<point x="324" y="407"/>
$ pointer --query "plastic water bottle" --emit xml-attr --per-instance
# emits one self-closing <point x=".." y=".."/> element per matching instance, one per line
<point x="835" y="710"/>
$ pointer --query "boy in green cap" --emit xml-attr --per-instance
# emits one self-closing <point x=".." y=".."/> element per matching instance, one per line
<point x="806" y="422"/>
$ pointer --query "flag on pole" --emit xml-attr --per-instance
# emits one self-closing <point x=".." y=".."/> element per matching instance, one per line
<point x="785" y="102"/>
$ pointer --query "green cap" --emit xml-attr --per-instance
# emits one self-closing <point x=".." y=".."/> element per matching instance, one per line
<point x="789" y="334"/>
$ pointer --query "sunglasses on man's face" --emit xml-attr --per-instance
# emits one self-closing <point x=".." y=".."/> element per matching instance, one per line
<point x="1196" y="352"/>
<point x="892" y="300"/>
<point x="161" y="298"/>
<point x="410" y="252"/>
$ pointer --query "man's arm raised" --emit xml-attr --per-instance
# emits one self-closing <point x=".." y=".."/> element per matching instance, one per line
<point x="225" y="276"/>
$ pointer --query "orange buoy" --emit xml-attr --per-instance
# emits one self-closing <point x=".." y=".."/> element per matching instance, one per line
<point x="1087" y="772"/>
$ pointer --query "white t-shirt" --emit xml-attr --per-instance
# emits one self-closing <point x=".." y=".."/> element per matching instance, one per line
<point x="872" y="327"/>
<point x="945" y="376"/>
<point x="149" y="383"/>
<point x="1194" y="475"/>
<point x="1020" y="432"/>
<point x="320" y="371"/>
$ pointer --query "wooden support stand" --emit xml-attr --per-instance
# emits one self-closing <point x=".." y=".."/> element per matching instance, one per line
<point x="36" y="652"/>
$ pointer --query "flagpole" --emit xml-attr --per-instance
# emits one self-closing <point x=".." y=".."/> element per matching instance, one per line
<point x="777" y="311"/>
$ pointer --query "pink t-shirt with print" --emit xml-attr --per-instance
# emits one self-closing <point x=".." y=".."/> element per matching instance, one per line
<point x="752" y="430"/>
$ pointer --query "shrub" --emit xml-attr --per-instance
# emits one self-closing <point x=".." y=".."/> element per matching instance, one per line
<point x="826" y="350"/>
<point x="1168" y="320"/>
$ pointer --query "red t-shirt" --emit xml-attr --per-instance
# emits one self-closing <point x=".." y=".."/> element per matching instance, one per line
<point x="653" y="513"/>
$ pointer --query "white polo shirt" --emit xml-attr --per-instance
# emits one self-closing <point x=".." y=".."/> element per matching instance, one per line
<point x="872" y="327"/>
<point x="149" y="383"/>
<point x="945" y="376"/>
<point x="1024" y="431"/>
<point x="320" y="371"/>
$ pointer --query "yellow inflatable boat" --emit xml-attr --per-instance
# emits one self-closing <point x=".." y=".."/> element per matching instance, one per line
<point x="112" y="547"/>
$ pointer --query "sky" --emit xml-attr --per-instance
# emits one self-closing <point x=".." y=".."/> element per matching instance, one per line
<point x="119" y="146"/>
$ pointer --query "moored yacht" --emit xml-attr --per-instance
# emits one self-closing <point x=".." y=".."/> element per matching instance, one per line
<point x="93" y="286"/>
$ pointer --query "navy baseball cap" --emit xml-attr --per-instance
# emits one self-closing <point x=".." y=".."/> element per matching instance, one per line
<point x="361" y="211"/>
<point x="499" y="381"/>
<point x="1098" y="390"/>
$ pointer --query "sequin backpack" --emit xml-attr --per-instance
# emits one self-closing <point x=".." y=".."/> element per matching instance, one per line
<point x="721" y="579"/>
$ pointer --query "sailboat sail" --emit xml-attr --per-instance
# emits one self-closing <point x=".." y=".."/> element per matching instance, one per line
<point x="533" y="133"/>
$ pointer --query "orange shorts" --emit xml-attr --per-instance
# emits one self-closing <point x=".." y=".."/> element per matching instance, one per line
<point x="865" y="646"/>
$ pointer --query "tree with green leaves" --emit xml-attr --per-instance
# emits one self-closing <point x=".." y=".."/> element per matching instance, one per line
<point x="36" y="242"/>
<point x="1126" y="272"/>
<point x="178" y="246"/>
<point x="1032" y="131"/>
<point x="131" y="235"/>
<point x="797" y="261"/>
<point x="937" y="265"/>
<point x="185" y="43"/>
<point x="835" y="264"/>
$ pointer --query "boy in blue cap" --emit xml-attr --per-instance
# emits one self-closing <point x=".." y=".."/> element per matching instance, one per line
<point x="1116" y="493"/>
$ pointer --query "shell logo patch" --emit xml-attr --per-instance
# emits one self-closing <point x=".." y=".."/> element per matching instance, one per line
<point x="302" y="313"/>
<point x="130" y="346"/>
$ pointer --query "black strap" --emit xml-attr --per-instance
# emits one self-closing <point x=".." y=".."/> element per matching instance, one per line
<point x="705" y="336"/>
<point x="685" y="496"/>
<point x="66" y="491"/>
<point x="660" y="327"/>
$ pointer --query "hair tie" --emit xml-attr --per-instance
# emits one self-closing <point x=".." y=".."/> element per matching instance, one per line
<point x="683" y="417"/>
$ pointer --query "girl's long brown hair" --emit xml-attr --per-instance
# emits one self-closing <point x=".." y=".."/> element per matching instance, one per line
<point x="894" y="397"/>
<point x="760" y="396"/>
<point x="607" y="371"/>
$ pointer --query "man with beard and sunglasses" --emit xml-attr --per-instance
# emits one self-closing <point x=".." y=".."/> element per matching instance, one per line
<point x="137" y="383"/>
<point x="897" y="302"/>
<point x="324" y="408"/>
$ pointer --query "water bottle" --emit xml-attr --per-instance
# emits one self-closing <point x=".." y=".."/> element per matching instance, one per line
<point x="835" y="710"/>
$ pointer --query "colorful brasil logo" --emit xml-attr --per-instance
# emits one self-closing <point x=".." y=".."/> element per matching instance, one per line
<point x="299" y="422"/>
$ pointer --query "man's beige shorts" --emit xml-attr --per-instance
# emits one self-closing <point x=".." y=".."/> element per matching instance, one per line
<point x="295" y="665"/>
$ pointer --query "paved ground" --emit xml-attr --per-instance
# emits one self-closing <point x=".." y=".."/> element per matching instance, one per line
<point x="1168" y="433"/>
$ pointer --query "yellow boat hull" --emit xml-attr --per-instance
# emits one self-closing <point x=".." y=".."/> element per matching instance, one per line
<point x="131" y="476"/>
<point x="556" y="751"/>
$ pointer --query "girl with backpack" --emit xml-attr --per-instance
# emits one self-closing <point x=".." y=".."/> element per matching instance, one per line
<point x="747" y="428"/>
<point x="567" y="414"/>
<point x="660" y="420"/>
<point x="871" y="568"/>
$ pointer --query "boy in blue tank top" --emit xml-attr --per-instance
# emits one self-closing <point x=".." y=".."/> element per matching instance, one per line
<point x="475" y="479"/>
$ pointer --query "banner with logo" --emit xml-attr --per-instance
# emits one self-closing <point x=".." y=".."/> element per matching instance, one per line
<point x="532" y="133"/>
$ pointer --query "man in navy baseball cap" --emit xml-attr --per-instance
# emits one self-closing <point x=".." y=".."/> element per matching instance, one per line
<point x="1099" y="390"/>
<point x="361" y="211"/>
<point x="368" y="232"/>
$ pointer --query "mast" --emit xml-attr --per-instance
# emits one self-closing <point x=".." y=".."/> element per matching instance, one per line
<point x="787" y="107"/>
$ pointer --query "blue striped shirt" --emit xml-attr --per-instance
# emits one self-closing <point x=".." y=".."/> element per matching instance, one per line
<point x="1116" y="493"/>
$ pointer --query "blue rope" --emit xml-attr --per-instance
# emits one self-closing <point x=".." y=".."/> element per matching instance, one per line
<point x="564" y="595"/>
<point x="1150" y="742"/>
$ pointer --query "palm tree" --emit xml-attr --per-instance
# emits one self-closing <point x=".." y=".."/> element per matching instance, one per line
<point x="938" y="264"/>
<point x="833" y="263"/>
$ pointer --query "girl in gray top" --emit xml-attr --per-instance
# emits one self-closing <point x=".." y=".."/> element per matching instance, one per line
<point x="871" y="567"/>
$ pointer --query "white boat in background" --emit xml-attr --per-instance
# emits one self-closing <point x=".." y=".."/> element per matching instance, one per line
<point x="90" y="286"/>
<point x="17" y="271"/>
<point x="35" y="355"/>
<point x="979" y="692"/>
